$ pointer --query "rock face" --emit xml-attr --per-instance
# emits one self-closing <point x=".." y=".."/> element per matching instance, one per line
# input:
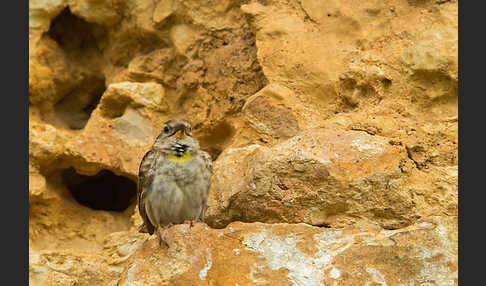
<point x="320" y="177"/>
<point x="286" y="254"/>
<point x="332" y="125"/>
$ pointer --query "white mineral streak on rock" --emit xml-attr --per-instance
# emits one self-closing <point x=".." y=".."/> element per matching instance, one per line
<point x="209" y="263"/>
<point x="282" y="252"/>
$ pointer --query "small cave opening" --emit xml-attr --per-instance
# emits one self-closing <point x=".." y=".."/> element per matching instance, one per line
<point x="386" y="83"/>
<point x="80" y="43"/>
<point x="103" y="191"/>
<point x="74" y="35"/>
<point x="75" y="108"/>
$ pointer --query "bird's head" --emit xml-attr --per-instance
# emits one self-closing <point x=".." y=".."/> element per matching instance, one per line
<point x="176" y="139"/>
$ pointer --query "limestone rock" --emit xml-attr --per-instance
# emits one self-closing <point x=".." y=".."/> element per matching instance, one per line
<point x="212" y="15"/>
<point x="309" y="70"/>
<point x="298" y="254"/>
<point x="435" y="190"/>
<point x="436" y="50"/>
<point x="332" y="113"/>
<point x="320" y="177"/>
<point x="152" y="66"/>
<point x="269" y="113"/>
<point x="162" y="11"/>
<point x="124" y="124"/>
<point x="120" y="95"/>
<point x="41" y="12"/>
<point x="133" y="129"/>
<point x="46" y="144"/>
<point x="74" y="267"/>
<point x="49" y="75"/>
<point x="37" y="185"/>
<point x="100" y="12"/>
<point x="183" y="37"/>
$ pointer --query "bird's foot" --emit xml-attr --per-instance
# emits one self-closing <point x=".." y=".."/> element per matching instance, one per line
<point x="161" y="240"/>
<point x="190" y="222"/>
<point x="142" y="228"/>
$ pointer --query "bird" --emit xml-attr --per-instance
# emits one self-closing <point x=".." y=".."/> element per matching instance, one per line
<point x="173" y="180"/>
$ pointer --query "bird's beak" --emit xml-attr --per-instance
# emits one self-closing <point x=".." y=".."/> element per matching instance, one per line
<point x="180" y="132"/>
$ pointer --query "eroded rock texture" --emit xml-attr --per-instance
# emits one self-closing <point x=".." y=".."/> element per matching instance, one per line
<point x="298" y="254"/>
<point x="333" y="126"/>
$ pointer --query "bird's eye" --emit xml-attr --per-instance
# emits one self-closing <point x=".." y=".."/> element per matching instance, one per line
<point x="166" y="129"/>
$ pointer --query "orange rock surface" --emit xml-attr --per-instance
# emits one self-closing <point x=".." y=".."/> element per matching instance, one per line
<point x="332" y="126"/>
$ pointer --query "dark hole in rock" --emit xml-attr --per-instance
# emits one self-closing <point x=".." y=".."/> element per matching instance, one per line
<point x="386" y="82"/>
<point x="78" y="40"/>
<point x="103" y="191"/>
<point x="75" y="108"/>
<point x="324" y="225"/>
<point x="74" y="35"/>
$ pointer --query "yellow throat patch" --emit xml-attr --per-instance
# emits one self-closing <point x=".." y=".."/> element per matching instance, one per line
<point x="180" y="158"/>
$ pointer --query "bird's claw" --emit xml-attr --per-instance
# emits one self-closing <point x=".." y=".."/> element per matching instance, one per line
<point x="159" y="237"/>
<point x="190" y="222"/>
<point x="162" y="241"/>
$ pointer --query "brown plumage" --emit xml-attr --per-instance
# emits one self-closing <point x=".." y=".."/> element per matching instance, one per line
<point x="173" y="180"/>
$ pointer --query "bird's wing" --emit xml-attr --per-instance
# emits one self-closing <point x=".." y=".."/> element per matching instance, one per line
<point x="207" y="160"/>
<point x="145" y="178"/>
